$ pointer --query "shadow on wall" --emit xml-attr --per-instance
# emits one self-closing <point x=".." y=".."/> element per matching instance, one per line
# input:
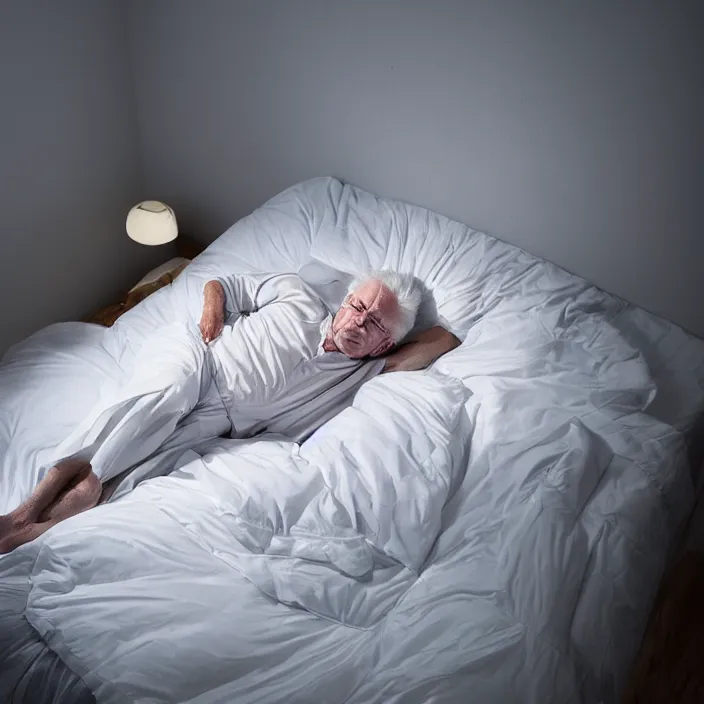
<point x="568" y="129"/>
<point x="70" y="166"/>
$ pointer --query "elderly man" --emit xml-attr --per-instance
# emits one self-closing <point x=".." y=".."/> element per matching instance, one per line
<point x="268" y="357"/>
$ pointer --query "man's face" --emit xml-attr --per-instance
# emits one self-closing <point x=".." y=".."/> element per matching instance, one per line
<point x="364" y="325"/>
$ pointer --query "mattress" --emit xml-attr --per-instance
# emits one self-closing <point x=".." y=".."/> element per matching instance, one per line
<point x="540" y="569"/>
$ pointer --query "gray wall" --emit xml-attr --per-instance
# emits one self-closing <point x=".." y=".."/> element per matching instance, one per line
<point x="69" y="162"/>
<point x="572" y="129"/>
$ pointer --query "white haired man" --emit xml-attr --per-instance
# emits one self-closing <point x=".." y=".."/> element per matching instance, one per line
<point x="378" y="312"/>
<point x="283" y="365"/>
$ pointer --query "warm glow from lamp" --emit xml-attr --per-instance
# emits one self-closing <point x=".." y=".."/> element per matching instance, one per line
<point x="152" y="222"/>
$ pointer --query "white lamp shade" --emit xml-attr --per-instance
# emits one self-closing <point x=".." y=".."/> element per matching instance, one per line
<point x="152" y="222"/>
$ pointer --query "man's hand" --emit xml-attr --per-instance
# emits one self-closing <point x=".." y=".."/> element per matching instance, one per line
<point x="211" y="325"/>
<point x="213" y="319"/>
<point x="421" y="352"/>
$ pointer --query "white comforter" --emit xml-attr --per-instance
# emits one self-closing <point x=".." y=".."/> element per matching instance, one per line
<point x="492" y="528"/>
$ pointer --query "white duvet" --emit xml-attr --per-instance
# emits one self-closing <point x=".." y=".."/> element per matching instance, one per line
<point x="490" y="530"/>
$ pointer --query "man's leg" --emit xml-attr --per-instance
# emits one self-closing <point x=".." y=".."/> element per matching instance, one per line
<point x="65" y="491"/>
<point x="169" y="375"/>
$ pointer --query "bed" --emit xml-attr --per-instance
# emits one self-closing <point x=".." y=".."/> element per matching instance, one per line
<point x="551" y="460"/>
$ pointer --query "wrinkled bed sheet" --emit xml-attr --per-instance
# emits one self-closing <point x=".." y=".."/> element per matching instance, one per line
<point x="496" y="525"/>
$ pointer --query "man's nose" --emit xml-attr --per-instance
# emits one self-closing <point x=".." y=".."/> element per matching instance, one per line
<point x="361" y="318"/>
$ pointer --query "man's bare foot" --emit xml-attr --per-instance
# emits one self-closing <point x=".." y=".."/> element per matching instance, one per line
<point x="67" y="489"/>
<point x="80" y="494"/>
<point x="14" y="533"/>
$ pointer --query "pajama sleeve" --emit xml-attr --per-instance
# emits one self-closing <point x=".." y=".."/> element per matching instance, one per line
<point x="240" y="292"/>
<point x="255" y="356"/>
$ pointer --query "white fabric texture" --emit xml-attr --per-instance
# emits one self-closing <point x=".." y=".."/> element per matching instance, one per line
<point x="133" y="421"/>
<point x="391" y="557"/>
<point x="471" y="276"/>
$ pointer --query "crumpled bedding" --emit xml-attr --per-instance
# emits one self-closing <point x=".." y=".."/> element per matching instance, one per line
<point x="526" y="554"/>
<point x="310" y="526"/>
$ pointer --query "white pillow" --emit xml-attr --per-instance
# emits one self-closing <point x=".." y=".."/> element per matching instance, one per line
<point x="464" y="270"/>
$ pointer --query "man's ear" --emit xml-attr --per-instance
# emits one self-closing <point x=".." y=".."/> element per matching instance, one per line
<point x="329" y="344"/>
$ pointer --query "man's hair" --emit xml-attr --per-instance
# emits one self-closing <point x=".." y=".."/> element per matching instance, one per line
<point x="407" y="292"/>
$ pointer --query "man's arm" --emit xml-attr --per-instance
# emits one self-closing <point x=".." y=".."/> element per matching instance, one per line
<point x="230" y="294"/>
<point x="213" y="318"/>
<point x="422" y="351"/>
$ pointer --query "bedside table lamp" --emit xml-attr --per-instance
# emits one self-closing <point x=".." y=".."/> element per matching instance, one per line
<point x="152" y="222"/>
